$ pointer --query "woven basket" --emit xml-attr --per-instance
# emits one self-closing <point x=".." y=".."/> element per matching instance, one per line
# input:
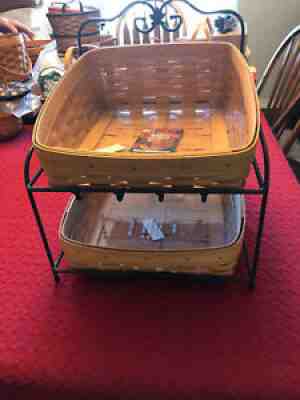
<point x="66" y="23"/>
<point x="99" y="232"/>
<point x="15" y="64"/>
<point x="112" y="95"/>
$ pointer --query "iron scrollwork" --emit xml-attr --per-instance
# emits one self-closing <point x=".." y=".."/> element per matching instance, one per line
<point x="159" y="17"/>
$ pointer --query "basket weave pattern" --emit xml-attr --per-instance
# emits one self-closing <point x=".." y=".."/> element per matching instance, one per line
<point x="15" y="64"/>
<point x="69" y="24"/>
<point x="116" y="93"/>
<point x="66" y="26"/>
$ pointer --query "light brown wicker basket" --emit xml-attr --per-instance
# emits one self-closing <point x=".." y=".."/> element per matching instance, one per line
<point x="112" y="94"/>
<point x="15" y="64"/>
<point x="66" y="23"/>
<point x="101" y="233"/>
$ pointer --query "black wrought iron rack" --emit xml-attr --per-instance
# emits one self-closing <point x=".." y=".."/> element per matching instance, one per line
<point x="262" y="172"/>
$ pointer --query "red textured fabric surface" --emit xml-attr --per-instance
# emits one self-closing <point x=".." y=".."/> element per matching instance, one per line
<point x="88" y="339"/>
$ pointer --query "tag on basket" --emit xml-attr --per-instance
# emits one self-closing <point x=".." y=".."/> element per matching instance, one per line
<point x="153" y="229"/>
<point x="112" y="149"/>
<point x="158" y="140"/>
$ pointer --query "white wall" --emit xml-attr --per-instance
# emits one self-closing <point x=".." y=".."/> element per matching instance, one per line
<point x="268" y="23"/>
<point x="35" y="18"/>
<point x="112" y="7"/>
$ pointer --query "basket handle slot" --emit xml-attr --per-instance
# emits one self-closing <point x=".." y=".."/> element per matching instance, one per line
<point x="149" y="100"/>
<point x="175" y="100"/>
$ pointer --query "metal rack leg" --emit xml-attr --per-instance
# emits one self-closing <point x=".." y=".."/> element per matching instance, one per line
<point x="43" y="235"/>
<point x="262" y="213"/>
<point x="265" y="186"/>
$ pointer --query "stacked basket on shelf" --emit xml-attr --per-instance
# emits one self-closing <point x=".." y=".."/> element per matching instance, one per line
<point x="15" y="64"/>
<point x="66" y="18"/>
<point x="102" y="128"/>
<point x="15" y="75"/>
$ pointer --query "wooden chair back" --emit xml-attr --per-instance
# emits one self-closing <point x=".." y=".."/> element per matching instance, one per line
<point x="126" y="33"/>
<point x="279" y="87"/>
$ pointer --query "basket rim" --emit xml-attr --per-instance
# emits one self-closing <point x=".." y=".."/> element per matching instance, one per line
<point x="87" y="10"/>
<point x="151" y="156"/>
<point x="10" y="34"/>
<point x="87" y="34"/>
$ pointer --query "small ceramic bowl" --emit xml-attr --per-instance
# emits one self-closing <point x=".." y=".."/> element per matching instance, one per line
<point x="10" y="126"/>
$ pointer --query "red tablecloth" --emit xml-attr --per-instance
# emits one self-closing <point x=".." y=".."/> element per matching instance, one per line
<point x="88" y="339"/>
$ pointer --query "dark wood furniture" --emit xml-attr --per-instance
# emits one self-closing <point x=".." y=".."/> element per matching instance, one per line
<point x="279" y="89"/>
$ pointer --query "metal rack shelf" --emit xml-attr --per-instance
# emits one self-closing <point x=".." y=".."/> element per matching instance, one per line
<point x="262" y="173"/>
<point x="261" y="189"/>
